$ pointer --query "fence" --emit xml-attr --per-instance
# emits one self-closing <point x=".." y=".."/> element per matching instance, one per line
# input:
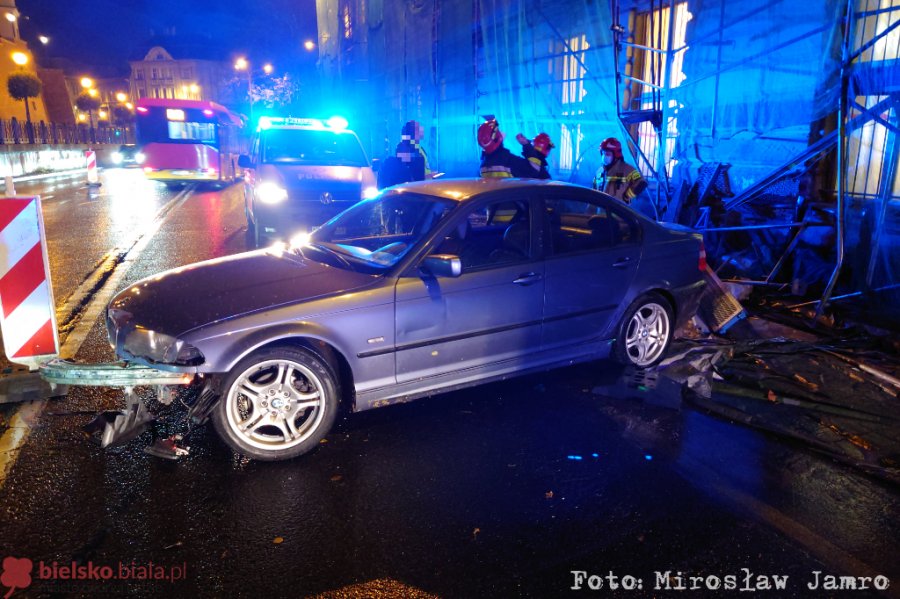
<point x="14" y="132"/>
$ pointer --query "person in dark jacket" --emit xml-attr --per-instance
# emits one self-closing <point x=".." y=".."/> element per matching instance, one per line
<point x="616" y="177"/>
<point x="536" y="153"/>
<point x="409" y="163"/>
<point x="496" y="160"/>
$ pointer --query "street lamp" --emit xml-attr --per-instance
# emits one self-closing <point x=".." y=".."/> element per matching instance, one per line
<point x="20" y="58"/>
<point x="242" y="64"/>
<point x="44" y="39"/>
<point x="10" y="17"/>
<point x="309" y="45"/>
<point x="87" y="82"/>
<point x="267" y="69"/>
<point x="121" y="96"/>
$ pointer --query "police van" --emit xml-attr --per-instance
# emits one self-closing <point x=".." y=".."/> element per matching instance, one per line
<point x="299" y="174"/>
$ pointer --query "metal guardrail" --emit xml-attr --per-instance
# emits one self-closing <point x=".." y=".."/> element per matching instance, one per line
<point x="14" y="132"/>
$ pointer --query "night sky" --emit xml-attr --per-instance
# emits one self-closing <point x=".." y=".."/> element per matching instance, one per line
<point x="101" y="36"/>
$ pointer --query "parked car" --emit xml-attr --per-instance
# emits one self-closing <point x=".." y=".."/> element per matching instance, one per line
<point x="429" y="287"/>
<point x="299" y="174"/>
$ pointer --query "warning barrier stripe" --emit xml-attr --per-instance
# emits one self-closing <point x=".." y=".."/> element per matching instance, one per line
<point x="22" y="279"/>
<point x="25" y="293"/>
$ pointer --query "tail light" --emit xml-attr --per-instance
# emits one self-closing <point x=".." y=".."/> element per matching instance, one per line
<point x="701" y="263"/>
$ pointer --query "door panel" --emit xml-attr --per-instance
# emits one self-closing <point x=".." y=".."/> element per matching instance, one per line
<point x="491" y="313"/>
<point x="594" y="254"/>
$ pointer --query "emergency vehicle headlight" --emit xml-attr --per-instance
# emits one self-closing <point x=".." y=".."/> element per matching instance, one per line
<point x="369" y="193"/>
<point x="271" y="193"/>
<point x="117" y="158"/>
<point x="337" y="122"/>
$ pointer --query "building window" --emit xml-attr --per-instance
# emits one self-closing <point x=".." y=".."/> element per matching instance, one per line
<point x="653" y="68"/>
<point x="571" y="96"/>
<point x="878" y="22"/>
<point x="139" y="75"/>
<point x="347" y="19"/>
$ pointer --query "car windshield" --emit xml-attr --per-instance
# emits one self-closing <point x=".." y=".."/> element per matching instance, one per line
<point x="312" y="146"/>
<point x="375" y="234"/>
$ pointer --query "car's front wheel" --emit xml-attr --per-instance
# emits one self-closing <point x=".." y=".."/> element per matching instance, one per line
<point x="645" y="331"/>
<point x="278" y="403"/>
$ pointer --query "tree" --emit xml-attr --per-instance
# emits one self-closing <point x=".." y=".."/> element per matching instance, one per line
<point x="24" y="86"/>
<point x="85" y="102"/>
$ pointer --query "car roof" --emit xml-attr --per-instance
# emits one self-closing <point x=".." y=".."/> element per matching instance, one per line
<point x="466" y="188"/>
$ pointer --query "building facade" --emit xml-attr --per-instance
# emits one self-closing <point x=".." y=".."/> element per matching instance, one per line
<point x="162" y="75"/>
<point x="13" y="52"/>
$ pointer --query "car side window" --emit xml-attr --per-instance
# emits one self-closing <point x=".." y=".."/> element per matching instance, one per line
<point x="578" y="226"/>
<point x="496" y="234"/>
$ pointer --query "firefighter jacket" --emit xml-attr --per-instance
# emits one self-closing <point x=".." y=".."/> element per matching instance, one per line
<point x="537" y="161"/>
<point x="620" y="180"/>
<point x="501" y="163"/>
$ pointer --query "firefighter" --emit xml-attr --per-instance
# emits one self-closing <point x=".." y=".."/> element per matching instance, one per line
<point x="411" y="152"/>
<point x="496" y="161"/>
<point x="616" y="177"/>
<point x="536" y="153"/>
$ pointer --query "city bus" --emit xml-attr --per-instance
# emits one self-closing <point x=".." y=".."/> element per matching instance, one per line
<point x="189" y="140"/>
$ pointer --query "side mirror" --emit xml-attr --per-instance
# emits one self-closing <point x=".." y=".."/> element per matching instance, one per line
<point x="376" y="164"/>
<point x="244" y="161"/>
<point x="442" y="265"/>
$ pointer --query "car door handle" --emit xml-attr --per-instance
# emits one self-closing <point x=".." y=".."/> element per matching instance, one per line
<point x="528" y="279"/>
<point x="622" y="262"/>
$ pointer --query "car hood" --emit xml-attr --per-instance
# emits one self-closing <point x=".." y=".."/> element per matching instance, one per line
<point x="179" y="300"/>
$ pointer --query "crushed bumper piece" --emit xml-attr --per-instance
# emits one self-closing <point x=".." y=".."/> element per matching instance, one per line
<point x="117" y="427"/>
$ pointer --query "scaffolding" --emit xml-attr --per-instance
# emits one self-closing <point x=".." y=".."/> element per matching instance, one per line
<point x="852" y="145"/>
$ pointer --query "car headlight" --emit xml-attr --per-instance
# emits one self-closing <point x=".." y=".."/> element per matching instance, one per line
<point x="117" y="158"/>
<point x="139" y="158"/>
<point x="369" y="193"/>
<point x="160" y="348"/>
<point x="271" y="193"/>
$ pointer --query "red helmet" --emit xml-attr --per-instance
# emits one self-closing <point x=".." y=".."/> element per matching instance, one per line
<point x="611" y="144"/>
<point x="543" y="144"/>
<point x="489" y="136"/>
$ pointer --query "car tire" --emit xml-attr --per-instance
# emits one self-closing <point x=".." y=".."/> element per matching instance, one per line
<point x="277" y="404"/>
<point x="645" y="332"/>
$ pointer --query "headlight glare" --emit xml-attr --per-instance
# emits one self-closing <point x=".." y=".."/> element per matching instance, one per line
<point x="271" y="193"/>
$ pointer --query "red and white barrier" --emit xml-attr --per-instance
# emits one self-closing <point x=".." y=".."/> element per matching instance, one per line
<point x="27" y="310"/>
<point x="91" y="159"/>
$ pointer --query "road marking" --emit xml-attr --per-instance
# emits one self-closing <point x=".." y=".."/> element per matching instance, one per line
<point x="27" y="416"/>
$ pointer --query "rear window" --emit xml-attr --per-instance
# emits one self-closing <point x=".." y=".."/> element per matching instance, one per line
<point x="311" y="146"/>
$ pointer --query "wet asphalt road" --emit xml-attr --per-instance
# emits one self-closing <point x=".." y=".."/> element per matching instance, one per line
<point x="498" y="491"/>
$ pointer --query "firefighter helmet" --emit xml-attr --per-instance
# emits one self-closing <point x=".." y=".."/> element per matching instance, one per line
<point x="611" y="144"/>
<point x="543" y="144"/>
<point x="489" y="136"/>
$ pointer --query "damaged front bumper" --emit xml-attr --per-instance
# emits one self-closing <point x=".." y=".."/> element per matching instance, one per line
<point x="116" y="427"/>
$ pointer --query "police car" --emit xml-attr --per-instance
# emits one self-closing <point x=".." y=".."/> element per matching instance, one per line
<point x="299" y="174"/>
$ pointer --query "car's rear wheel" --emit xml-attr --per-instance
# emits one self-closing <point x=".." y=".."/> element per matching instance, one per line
<point x="278" y="403"/>
<point x="645" y="331"/>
